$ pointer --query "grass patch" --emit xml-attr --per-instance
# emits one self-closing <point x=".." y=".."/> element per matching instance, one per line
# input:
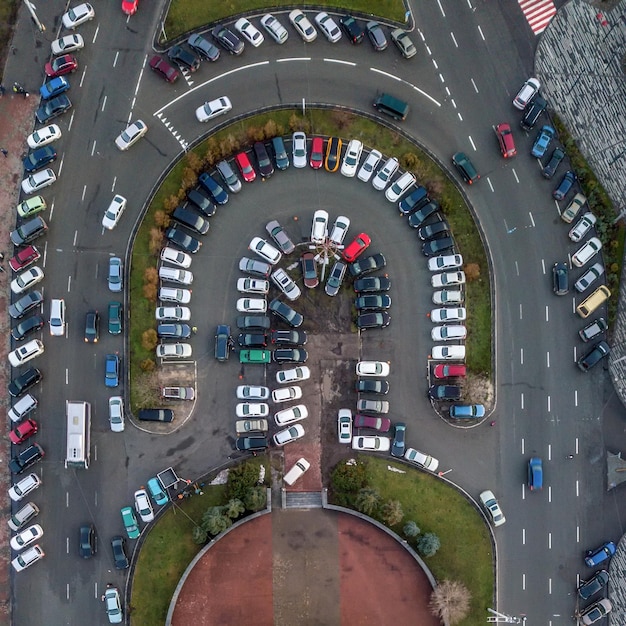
<point x="188" y="15"/>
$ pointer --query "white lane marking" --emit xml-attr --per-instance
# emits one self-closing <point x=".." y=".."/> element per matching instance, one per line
<point x="95" y="35"/>
<point x="577" y="489"/>
<point x="577" y="534"/>
<point x="490" y="185"/>
<point x="69" y="126"/>
<point x="521" y="356"/>
<point x="454" y="40"/>
<point x="104" y="103"/>
<point x="350" y="63"/>
<point x="550" y="494"/>
<point x="543" y="266"/>
<point x="441" y="8"/>
<point x="480" y="30"/>
<point x="523" y="444"/>
<point x="377" y="71"/>
<point x="521" y="316"/>
<point x="82" y="197"/>
<point x="523" y="582"/>
<point x="45" y="253"/>
<point x="95" y="590"/>
<point x="532" y="221"/>
<point x="453" y="102"/>
<point x="69" y="284"/>
<point x="548" y="358"/>
<point x="435" y="64"/>
<point x="67" y="591"/>
<point x="575" y="397"/>
<point x="67" y="545"/>
<point x="549" y="452"/>
<point x="93" y="148"/>
<point x="549" y="541"/>
<point x="550" y="586"/>
<point x="522" y="400"/>
<point x="523" y="536"/>
<point x="75" y="237"/>
<point x="515" y="175"/>
<point x="523" y="491"/>
<point x="67" y="499"/>
<point x="277" y="61"/>
<point x="472" y="142"/>
<point x="577" y="450"/>
<point x="549" y="404"/>
<point x="82" y="76"/>
<point x="517" y="268"/>
<point x="547" y="314"/>
<point x="575" y="359"/>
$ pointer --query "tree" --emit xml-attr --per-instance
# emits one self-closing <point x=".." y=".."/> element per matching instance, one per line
<point x="240" y="479"/>
<point x="450" y="602"/>
<point x="367" y="500"/>
<point x="349" y="476"/>
<point x="256" y="498"/>
<point x="391" y="512"/>
<point x="216" y="522"/>
<point x="199" y="535"/>
<point x="234" y="508"/>
<point x="411" y="529"/>
<point x="428" y="544"/>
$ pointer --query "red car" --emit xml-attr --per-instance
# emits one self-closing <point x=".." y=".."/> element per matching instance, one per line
<point x="162" y="67"/>
<point x="505" y="139"/>
<point x="381" y="424"/>
<point x="23" y="431"/>
<point x="317" y="153"/>
<point x="245" y="167"/>
<point x="448" y="371"/>
<point x="65" y="64"/>
<point x="24" y="258"/>
<point x="130" y="6"/>
<point x="357" y="247"/>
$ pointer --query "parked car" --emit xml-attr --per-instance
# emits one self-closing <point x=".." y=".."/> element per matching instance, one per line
<point x="120" y="560"/>
<point x="289" y="435"/>
<point x="143" y="506"/>
<point x="296" y="374"/>
<point x="303" y="26"/>
<point x="555" y="160"/>
<point x="266" y="169"/>
<point x="203" y="201"/>
<point x="446" y="262"/>
<point x="505" y="140"/>
<point x="376" y="36"/>
<point x="447" y="352"/>
<point x="252" y="266"/>
<point x="421" y="215"/>
<point x="573" y="208"/>
<point x="44" y="136"/>
<point x="467" y="411"/>
<point x="373" y="444"/>
<point x="265" y="250"/>
<point x="589" y="277"/>
<point x="316" y="159"/>
<point x="38" y="181"/>
<point x="62" y="65"/>
<point x="600" y="351"/>
<point x="492" y="507"/>
<point x="280" y="236"/>
<point x="335" y="278"/>
<point x="593" y="329"/>
<point x="417" y="199"/>
<point x="288" y="337"/>
<point x="24" y="257"/>
<point x="399" y="187"/>
<point x="596" y="612"/>
<point x="249" y="32"/>
<point x="586" y="252"/>
<point x="367" y="265"/>
<point x="229" y="177"/>
<point x="403" y="42"/>
<point x="78" y="15"/>
<point x="372" y="301"/>
<point x="285" y="313"/>
<point x="344" y="425"/>
<point x="526" y="93"/>
<point x="372" y="368"/>
<point x="54" y="87"/>
<point x="421" y="460"/>
<point x="373" y="320"/>
<point x="31" y="206"/>
<point x="448" y="314"/>
<point x="333" y="153"/>
<point x="599" y="555"/>
<point x="372" y="283"/>
<point x="444" y="392"/>
<point x="286" y="394"/>
<point x="309" y="270"/>
<point x="26" y="458"/>
<point x="380" y="387"/>
<point x="452" y="332"/>
<point x="352" y="156"/>
<point x="291" y="414"/>
<point x="203" y="47"/>
<point x="285" y="283"/>
<point x="298" y="147"/>
<point x="595" y="584"/>
<point x="253" y="443"/>
<point x="560" y="282"/>
<point x="546" y="134"/>
<point x="434" y="247"/>
<point x="582" y="227"/>
<point x="465" y="167"/>
<point x="27" y="558"/>
<point x="274" y="28"/>
<point x="328" y="27"/>
<point x="368" y="166"/>
<point x="29" y="231"/>
<point x="213" y="187"/>
<point x="352" y="29"/>
<point x="356" y="247"/>
<point x="163" y="68"/>
<point x="228" y="40"/>
<point x="290" y="355"/>
<point x="26" y="279"/>
<point x="384" y="175"/>
<point x="567" y="182"/>
<point x="184" y="58"/>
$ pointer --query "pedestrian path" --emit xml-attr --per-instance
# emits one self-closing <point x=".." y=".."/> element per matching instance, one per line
<point x="538" y="13"/>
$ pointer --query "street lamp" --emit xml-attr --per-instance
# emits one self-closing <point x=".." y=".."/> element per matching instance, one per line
<point x="31" y="8"/>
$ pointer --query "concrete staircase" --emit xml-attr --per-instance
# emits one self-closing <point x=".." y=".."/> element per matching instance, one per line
<point x="301" y="499"/>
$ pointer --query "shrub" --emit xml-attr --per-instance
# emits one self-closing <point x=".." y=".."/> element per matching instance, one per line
<point x="349" y="476"/>
<point x="391" y="512"/>
<point x="428" y="544"/>
<point x="411" y="529"/>
<point x="450" y="602"/>
<point x="199" y="535"/>
<point x="150" y="293"/>
<point x="149" y="339"/>
<point x="240" y="479"/>
<point x="367" y="500"/>
<point x="147" y="365"/>
<point x="256" y="498"/>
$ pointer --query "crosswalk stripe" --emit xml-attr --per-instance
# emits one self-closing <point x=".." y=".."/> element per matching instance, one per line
<point x="538" y="13"/>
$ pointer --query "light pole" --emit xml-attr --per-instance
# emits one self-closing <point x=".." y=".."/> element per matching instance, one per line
<point x="31" y="9"/>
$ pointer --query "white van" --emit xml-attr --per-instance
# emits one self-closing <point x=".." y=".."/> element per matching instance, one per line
<point x="22" y="407"/>
<point x="301" y="466"/>
<point x="57" y="318"/>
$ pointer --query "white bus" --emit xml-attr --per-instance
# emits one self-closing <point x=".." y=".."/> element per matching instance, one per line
<point x="78" y="433"/>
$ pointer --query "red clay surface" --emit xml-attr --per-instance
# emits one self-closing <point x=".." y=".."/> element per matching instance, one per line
<point x="305" y="567"/>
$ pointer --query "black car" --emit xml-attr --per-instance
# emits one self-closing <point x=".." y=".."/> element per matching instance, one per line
<point x="568" y="180"/>
<point x="432" y="231"/>
<point x="594" y="356"/>
<point x="203" y="47"/>
<point x="191" y="219"/>
<point x="266" y="169"/>
<point x="465" y="167"/>
<point x="204" y="203"/>
<point x="414" y="201"/>
<point x="433" y="247"/>
<point x="419" y="217"/>
<point x="251" y="444"/>
<point x="156" y="415"/>
<point x="213" y="187"/>
<point x="288" y="337"/>
<point x="184" y="58"/>
<point x="24" y="381"/>
<point x="28" y="326"/>
<point x="92" y="327"/>
<point x="87" y="541"/>
<point x="52" y="108"/>
<point x="247" y="322"/>
<point x="372" y="386"/>
<point x="560" y="275"/>
<point x="29" y="231"/>
<point x="398" y="443"/>
<point x="222" y="342"/>
<point x="373" y="320"/>
<point x="367" y="264"/>
<point x="183" y="240"/>
<point x="555" y="160"/>
<point x="228" y="40"/>
<point x="32" y="299"/>
<point x="372" y="301"/>
<point x="444" y="392"/>
<point x="285" y="313"/>
<point x="533" y="112"/>
<point x="119" y="552"/>
<point x="174" y="331"/>
<point x="372" y="283"/>
<point x="39" y="158"/>
<point x="252" y="340"/>
<point x="596" y="583"/>
<point x="26" y="458"/>
<point x="290" y="355"/>
<point x="351" y="28"/>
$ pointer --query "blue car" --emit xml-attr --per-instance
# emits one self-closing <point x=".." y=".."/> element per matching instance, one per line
<point x="39" y="158"/>
<point x="535" y="474"/>
<point x="467" y="411"/>
<point x="49" y="109"/>
<point x="599" y="555"/>
<point x="569" y="178"/>
<point x="156" y="491"/>
<point x="112" y="370"/>
<point x="215" y="189"/>
<point x="54" y="87"/>
<point x="546" y="135"/>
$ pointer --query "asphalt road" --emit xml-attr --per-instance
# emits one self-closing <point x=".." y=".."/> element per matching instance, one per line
<point x="469" y="66"/>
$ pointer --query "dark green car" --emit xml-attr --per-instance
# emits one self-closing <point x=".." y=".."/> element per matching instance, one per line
<point x="115" y="318"/>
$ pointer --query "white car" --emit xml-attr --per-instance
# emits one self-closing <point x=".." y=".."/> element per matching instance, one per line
<point x="289" y="434"/>
<point x="250" y="32"/>
<point x="253" y="285"/>
<point x="143" y="506"/>
<point x="173" y="351"/>
<point x="447" y="353"/>
<point x="369" y="165"/>
<point x="69" y="43"/>
<point x="26" y="537"/>
<point x="526" y="93"/>
<point x="26" y="352"/>
<point x="382" y="178"/>
<point x="445" y="262"/>
<point x="252" y="409"/>
<point x="583" y="226"/>
<point x="176" y="257"/>
<point x="114" y="212"/>
<point x="38" y="181"/>
<point x="265" y="250"/>
<point x="351" y="158"/>
<point x="448" y="333"/>
<point x="252" y="392"/>
<point x="399" y="187"/>
<point x="27" y="558"/>
<point x="285" y="283"/>
<point x="302" y="25"/>
<point x="133" y="133"/>
<point x="44" y="136"/>
<point x="116" y="414"/>
<point x="78" y="15"/>
<point x="291" y="415"/>
<point x="170" y="294"/>
<point x="285" y="394"/>
<point x="340" y="229"/>
<point x="23" y="487"/>
<point x="113" y="605"/>
<point x="493" y="508"/>
<point x="586" y="252"/>
<point x="251" y="305"/>
<point x="173" y="314"/>
<point x="448" y="296"/>
<point x="372" y="368"/>
<point x="274" y="28"/>
<point x="299" y="150"/>
<point x="420" y="459"/>
<point x="328" y="27"/>
<point x="26" y="279"/>
<point x="213" y="108"/>
<point x="377" y="444"/>
<point x="589" y="277"/>
<point x="175" y="275"/>
<point x="447" y="279"/>
<point x="344" y="425"/>
<point x="450" y="314"/>
<point x="293" y="375"/>
<point x="319" y="227"/>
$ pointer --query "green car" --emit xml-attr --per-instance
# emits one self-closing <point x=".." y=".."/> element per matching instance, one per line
<point x="115" y="318"/>
<point x="255" y="356"/>
<point x="31" y="206"/>
<point x="130" y="522"/>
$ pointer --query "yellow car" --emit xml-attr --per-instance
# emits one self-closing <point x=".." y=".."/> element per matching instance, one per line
<point x="333" y="154"/>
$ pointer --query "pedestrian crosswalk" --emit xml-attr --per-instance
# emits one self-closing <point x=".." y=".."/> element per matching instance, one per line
<point x="538" y="13"/>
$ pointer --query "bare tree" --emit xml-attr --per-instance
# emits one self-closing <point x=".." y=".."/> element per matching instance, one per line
<point x="367" y="500"/>
<point x="450" y="602"/>
<point x="391" y="512"/>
